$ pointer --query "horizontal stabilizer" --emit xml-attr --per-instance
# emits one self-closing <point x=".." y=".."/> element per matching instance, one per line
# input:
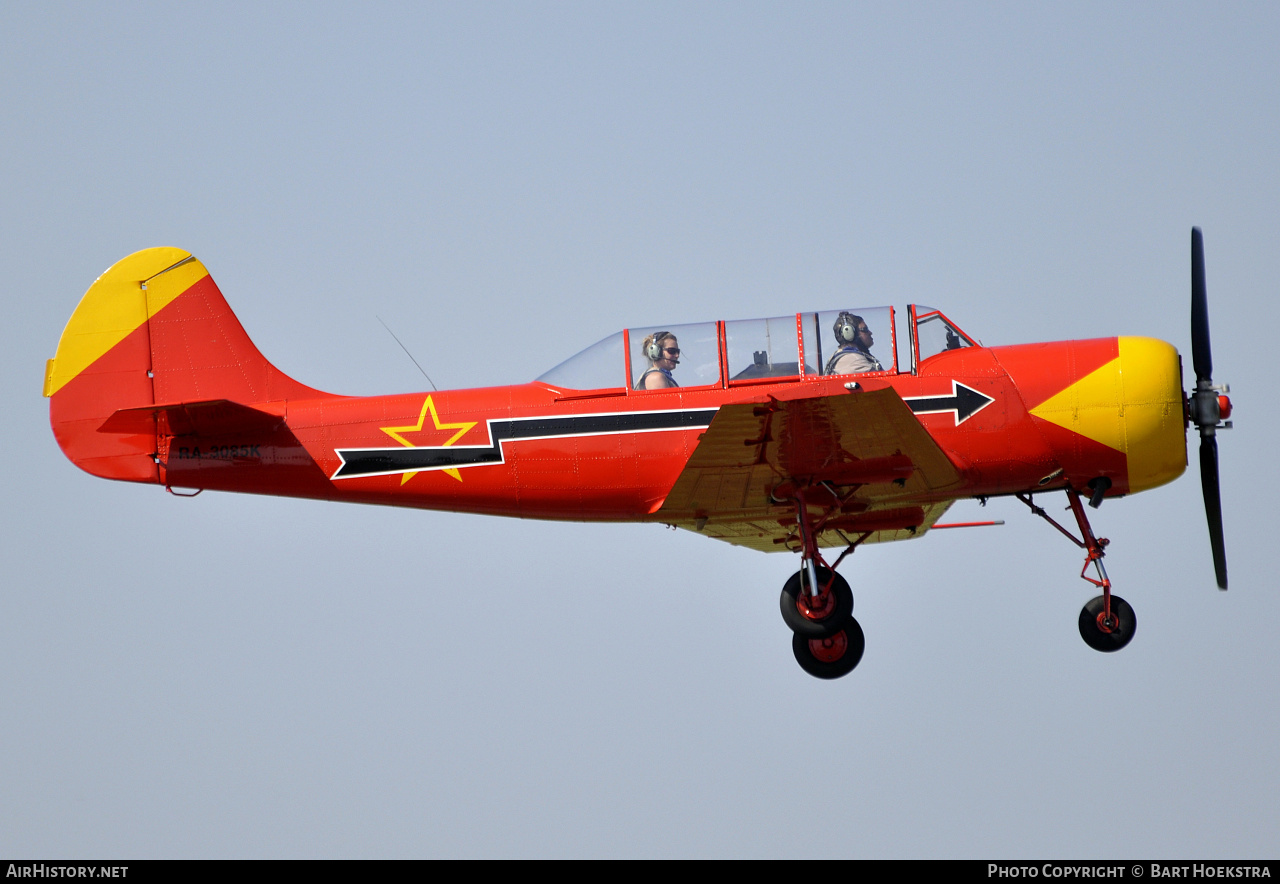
<point x="210" y="417"/>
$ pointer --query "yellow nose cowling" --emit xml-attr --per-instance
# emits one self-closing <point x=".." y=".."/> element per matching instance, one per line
<point x="1132" y="404"/>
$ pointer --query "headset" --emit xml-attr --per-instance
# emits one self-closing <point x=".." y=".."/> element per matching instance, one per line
<point x="846" y="328"/>
<point x="654" y="349"/>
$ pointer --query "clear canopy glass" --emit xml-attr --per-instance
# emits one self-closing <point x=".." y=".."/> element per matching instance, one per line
<point x="855" y="340"/>
<point x="698" y="362"/>
<point x="935" y="333"/>
<point x="598" y="367"/>
<point x="762" y="348"/>
<point x="826" y="351"/>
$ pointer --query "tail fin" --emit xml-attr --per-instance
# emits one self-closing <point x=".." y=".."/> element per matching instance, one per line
<point x="153" y="330"/>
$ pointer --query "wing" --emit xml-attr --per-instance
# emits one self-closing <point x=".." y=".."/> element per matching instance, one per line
<point x="864" y="458"/>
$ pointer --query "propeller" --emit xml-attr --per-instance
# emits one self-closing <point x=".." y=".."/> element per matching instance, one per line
<point x="1207" y="407"/>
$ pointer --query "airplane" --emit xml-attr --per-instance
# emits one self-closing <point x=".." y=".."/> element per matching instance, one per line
<point x="782" y="434"/>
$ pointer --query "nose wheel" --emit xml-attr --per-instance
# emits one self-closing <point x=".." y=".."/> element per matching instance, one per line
<point x="1107" y="622"/>
<point x="1105" y="631"/>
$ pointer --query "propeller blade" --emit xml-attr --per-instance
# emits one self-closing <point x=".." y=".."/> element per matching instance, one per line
<point x="1201" y="355"/>
<point x="1213" y="505"/>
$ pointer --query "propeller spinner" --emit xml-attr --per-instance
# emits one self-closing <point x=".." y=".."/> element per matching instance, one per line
<point x="1207" y="407"/>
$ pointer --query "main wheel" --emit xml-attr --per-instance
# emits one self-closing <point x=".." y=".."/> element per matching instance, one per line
<point x="833" y="656"/>
<point x="1103" y="635"/>
<point x="818" y="618"/>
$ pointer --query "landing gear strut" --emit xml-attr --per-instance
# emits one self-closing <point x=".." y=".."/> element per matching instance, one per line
<point x="817" y="606"/>
<point x="1107" y="622"/>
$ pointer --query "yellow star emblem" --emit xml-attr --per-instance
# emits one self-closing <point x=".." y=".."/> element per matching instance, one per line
<point x="428" y="406"/>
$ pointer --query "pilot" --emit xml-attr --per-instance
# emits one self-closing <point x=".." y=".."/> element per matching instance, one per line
<point x="855" y="341"/>
<point x="663" y="352"/>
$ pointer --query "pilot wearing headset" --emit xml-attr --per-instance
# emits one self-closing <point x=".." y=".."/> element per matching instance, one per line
<point x="855" y="341"/>
<point x="663" y="352"/>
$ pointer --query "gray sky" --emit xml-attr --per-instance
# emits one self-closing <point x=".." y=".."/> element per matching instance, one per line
<point x="507" y="183"/>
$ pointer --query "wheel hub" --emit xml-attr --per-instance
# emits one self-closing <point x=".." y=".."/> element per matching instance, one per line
<point x="817" y="608"/>
<point x="829" y="649"/>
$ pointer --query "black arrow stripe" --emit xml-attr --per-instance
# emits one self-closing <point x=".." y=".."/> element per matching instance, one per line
<point x="932" y="404"/>
<point x="375" y="461"/>
<point x="964" y="401"/>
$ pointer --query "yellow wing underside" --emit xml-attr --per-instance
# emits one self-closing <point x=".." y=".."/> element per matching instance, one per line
<point x="752" y="450"/>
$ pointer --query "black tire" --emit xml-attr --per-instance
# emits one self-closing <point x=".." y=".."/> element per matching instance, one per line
<point x="824" y="657"/>
<point x="816" y="627"/>
<point x="1096" y="634"/>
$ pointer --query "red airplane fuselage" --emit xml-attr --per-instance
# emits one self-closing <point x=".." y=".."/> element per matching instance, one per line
<point x="183" y="399"/>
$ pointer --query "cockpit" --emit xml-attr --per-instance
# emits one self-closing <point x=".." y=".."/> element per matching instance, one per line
<point x="858" y="340"/>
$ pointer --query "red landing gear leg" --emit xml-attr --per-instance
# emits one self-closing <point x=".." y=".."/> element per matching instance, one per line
<point x="817" y="605"/>
<point x="1107" y="622"/>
